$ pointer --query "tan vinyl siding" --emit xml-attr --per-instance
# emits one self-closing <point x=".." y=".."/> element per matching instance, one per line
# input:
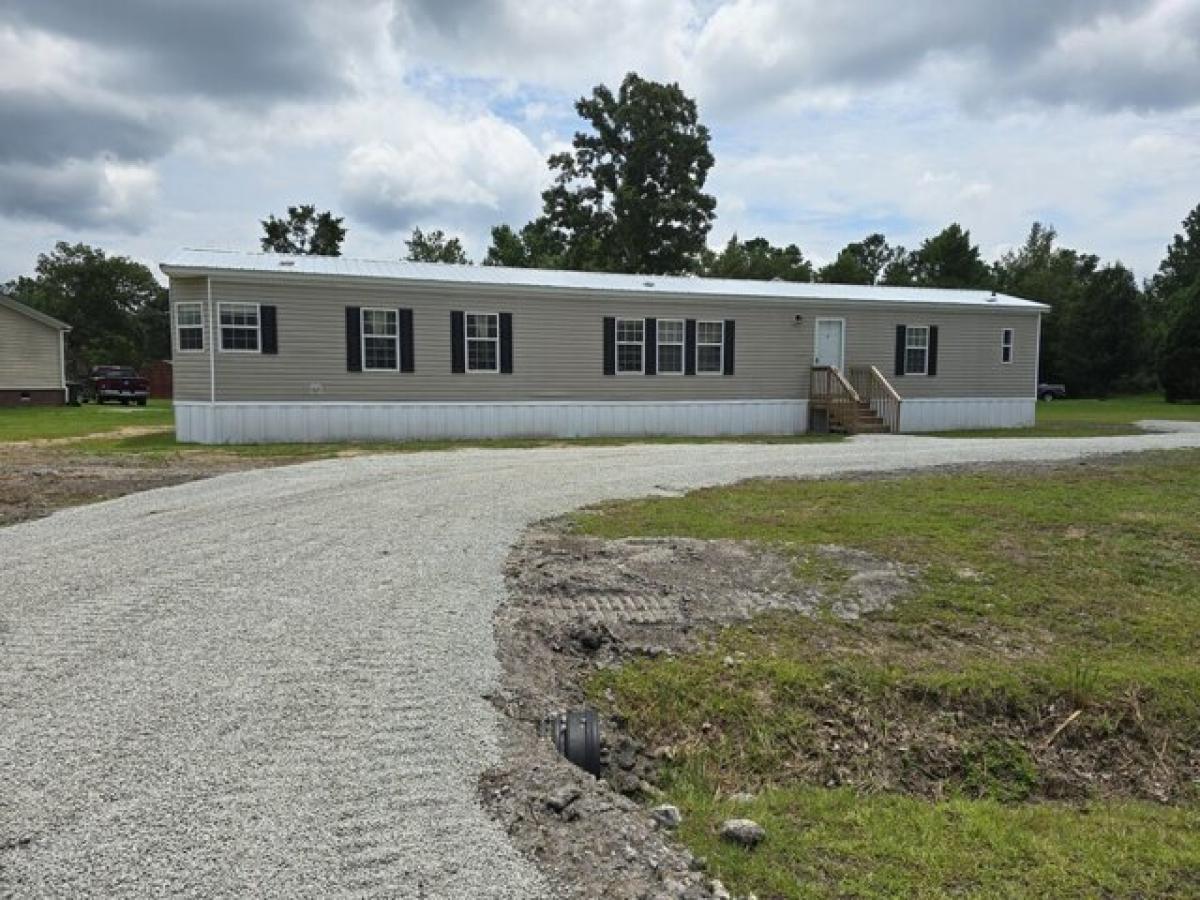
<point x="558" y="346"/>
<point x="30" y="353"/>
<point x="189" y="369"/>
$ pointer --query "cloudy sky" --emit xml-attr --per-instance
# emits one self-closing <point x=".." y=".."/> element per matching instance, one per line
<point x="145" y="125"/>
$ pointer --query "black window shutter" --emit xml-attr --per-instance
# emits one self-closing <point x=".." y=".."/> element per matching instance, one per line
<point x="933" y="342"/>
<point x="610" y="345"/>
<point x="901" y="337"/>
<point x="404" y="318"/>
<point x="728" y="354"/>
<point x="689" y="347"/>
<point x="353" y="339"/>
<point x="506" y="343"/>
<point x="458" y="362"/>
<point x="270" y="334"/>
<point x="652" y="346"/>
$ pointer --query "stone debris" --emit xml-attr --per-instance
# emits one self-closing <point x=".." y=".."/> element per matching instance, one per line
<point x="746" y="832"/>
<point x="667" y="815"/>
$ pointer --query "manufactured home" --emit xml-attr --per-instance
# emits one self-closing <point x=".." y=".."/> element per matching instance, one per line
<point x="269" y="347"/>
<point x="32" y="356"/>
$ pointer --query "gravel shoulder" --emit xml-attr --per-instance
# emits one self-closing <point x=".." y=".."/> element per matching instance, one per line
<point x="278" y="684"/>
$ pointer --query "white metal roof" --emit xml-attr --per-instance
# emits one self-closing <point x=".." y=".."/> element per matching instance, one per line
<point x="208" y="262"/>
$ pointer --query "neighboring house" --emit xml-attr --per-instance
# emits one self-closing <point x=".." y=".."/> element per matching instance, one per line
<point x="270" y="347"/>
<point x="32" y="356"/>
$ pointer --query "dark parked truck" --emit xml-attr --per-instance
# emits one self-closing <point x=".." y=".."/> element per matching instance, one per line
<point x="120" y="383"/>
<point x="1051" y="391"/>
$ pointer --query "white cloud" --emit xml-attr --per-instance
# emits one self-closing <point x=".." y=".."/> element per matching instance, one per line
<point x="81" y="194"/>
<point x="456" y="172"/>
<point x="567" y="46"/>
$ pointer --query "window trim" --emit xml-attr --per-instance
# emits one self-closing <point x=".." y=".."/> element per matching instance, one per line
<point x="362" y="338"/>
<point x="257" y="327"/>
<point x="1008" y="343"/>
<point x="617" y="342"/>
<point x="467" y="343"/>
<point x="179" y="348"/>
<point x="908" y="330"/>
<point x="659" y="343"/>
<point x="720" y="370"/>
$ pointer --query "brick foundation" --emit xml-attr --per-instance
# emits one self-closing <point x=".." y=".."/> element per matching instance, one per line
<point x="33" y="397"/>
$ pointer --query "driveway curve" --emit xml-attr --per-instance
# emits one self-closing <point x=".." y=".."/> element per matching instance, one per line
<point x="273" y="683"/>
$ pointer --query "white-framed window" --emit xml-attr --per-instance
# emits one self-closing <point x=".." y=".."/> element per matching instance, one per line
<point x="710" y="347"/>
<point x="631" y="345"/>
<point x="380" y="340"/>
<point x="916" y="350"/>
<point x="482" y="334"/>
<point x="1006" y="345"/>
<point x="239" y="327"/>
<point x="670" y="346"/>
<point x="189" y="327"/>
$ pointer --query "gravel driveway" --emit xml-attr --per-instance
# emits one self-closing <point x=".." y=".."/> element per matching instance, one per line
<point x="272" y="683"/>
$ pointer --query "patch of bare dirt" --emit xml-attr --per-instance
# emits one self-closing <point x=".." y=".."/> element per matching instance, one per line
<point x="127" y="431"/>
<point x="36" y="481"/>
<point x="576" y="604"/>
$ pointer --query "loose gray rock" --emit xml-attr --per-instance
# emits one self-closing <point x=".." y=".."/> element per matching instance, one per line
<point x="718" y="890"/>
<point x="746" y="832"/>
<point x="667" y="816"/>
<point x="626" y="783"/>
<point x="563" y="797"/>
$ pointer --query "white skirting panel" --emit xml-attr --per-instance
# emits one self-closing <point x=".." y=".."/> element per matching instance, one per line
<point x="965" y="413"/>
<point x="266" y="422"/>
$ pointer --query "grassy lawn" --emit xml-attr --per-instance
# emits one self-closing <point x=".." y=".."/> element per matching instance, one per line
<point x="49" y="422"/>
<point x="1093" y="418"/>
<point x="1023" y="725"/>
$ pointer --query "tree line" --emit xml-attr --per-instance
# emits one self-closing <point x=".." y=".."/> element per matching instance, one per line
<point x="630" y="197"/>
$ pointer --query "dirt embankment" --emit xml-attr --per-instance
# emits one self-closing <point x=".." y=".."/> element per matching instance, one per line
<point x="37" y="478"/>
<point x="579" y="604"/>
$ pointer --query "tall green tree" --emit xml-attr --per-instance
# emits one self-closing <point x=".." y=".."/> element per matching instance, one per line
<point x="1042" y="271"/>
<point x="1180" y="268"/>
<point x="536" y="246"/>
<point x="950" y="260"/>
<point x="1103" y="343"/>
<point x="630" y="196"/>
<point x="901" y="271"/>
<point x="1179" y="359"/>
<point x="758" y="260"/>
<point x="114" y="305"/>
<point x="435" y="247"/>
<point x="861" y="262"/>
<point x="304" y="231"/>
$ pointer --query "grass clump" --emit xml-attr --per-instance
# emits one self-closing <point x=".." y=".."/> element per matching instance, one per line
<point x="32" y="423"/>
<point x="1093" y="418"/>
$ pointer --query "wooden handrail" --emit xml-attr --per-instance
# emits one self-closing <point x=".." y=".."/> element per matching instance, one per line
<point x="887" y="385"/>
<point x="879" y="393"/>
<point x="834" y="373"/>
<point x="829" y="388"/>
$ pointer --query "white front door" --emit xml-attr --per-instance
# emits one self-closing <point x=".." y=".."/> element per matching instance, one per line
<point x="829" y="343"/>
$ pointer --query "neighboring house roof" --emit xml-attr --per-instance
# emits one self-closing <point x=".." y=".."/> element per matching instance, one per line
<point x="215" y="262"/>
<point x="9" y="303"/>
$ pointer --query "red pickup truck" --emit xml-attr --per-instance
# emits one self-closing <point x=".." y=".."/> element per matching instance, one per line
<point x="117" y="383"/>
